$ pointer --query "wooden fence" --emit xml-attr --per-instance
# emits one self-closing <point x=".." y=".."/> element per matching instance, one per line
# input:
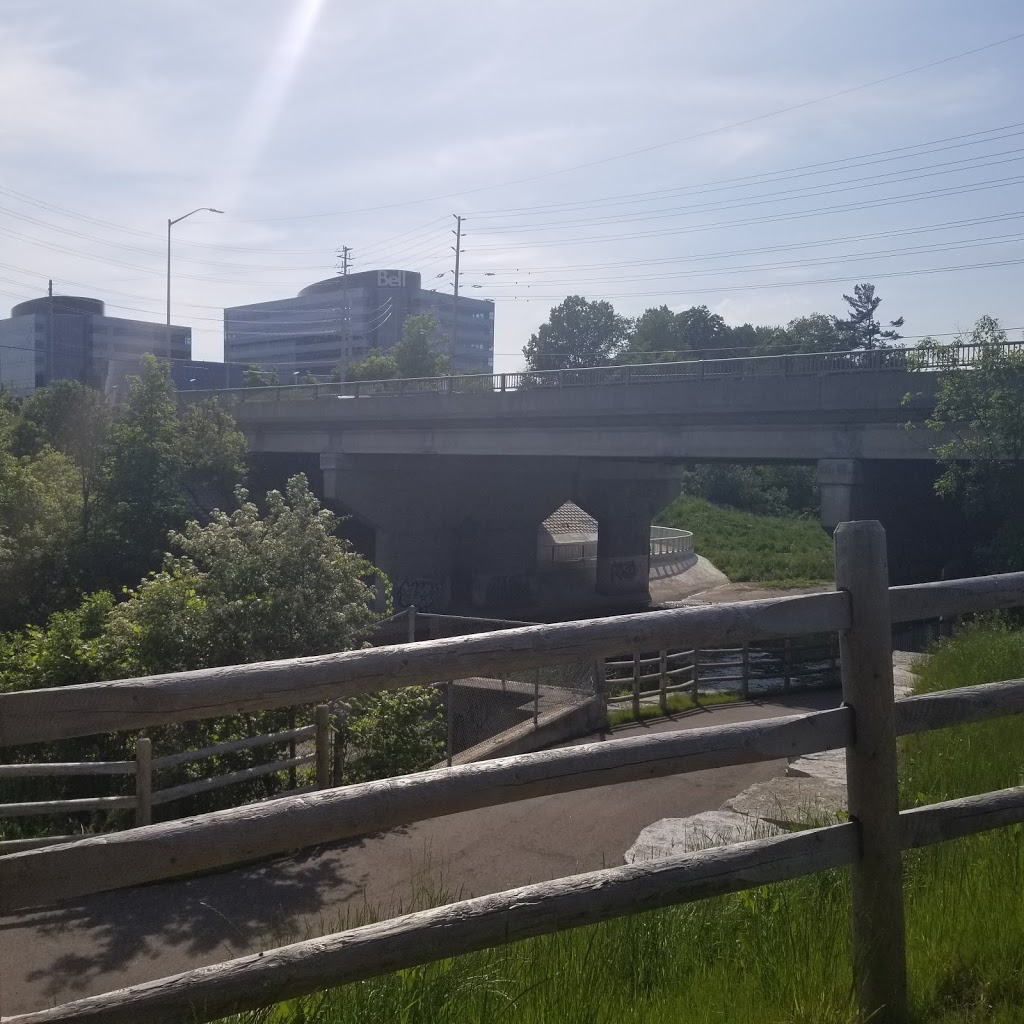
<point x="863" y="610"/>
<point x="793" y="660"/>
<point x="143" y="767"/>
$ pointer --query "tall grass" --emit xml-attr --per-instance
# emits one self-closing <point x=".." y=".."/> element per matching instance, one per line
<point x="750" y="548"/>
<point x="777" y="954"/>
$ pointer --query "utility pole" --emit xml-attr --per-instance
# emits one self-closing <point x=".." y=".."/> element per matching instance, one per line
<point x="345" y="334"/>
<point x="455" y="303"/>
<point x="49" y="333"/>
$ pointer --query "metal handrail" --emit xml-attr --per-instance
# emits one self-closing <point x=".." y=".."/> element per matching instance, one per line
<point x="876" y="360"/>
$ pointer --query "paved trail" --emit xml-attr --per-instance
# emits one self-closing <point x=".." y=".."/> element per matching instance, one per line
<point x="117" y="939"/>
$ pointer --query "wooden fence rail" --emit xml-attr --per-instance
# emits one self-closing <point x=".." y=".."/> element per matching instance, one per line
<point x="868" y="725"/>
<point x="145" y="764"/>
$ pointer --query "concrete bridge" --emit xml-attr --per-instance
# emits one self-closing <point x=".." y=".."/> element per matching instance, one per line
<point x="454" y="474"/>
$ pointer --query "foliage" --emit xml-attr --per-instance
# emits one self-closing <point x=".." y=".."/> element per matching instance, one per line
<point x="768" y="490"/>
<point x="581" y="333"/>
<point x="860" y="326"/>
<point x="659" y="335"/>
<point x="391" y="733"/>
<point x="88" y="493"/>
<point x="375" y="365"/>
<point x="577" y="333"/>
<point x="978" y="410"/>
<point x="255" y="376"/>
<point x="760" y="549"/>
<point x="245" y="587"/>
<point x="40" y="542"/>
<point x="815" y="333"/>
<point x="212" y="452"/>
<point x="418" y="352"/>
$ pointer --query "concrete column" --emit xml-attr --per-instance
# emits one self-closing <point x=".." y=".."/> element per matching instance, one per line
<point x="418" y="565"/>
<point x="412" y="518"/>
<point x="842" y="486"/>
<point x="624" y="498"/>
<point x="624" y="555"/>
<point x="497" y="562"/>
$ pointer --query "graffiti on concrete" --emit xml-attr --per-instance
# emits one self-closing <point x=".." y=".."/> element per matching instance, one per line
<point x="503" y="589"/>
<point x="427" y="594"/>
<point x="624" y="570"/>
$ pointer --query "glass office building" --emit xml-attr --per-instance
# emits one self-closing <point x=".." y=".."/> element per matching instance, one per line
<point x="334" y="322"/>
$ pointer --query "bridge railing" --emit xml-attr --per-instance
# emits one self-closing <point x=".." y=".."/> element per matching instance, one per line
<point x="863" y="610"/>
<point x="923" y="358"/>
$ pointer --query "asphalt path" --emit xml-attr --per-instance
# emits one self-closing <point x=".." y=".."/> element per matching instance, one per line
<point x="116" y="939"/>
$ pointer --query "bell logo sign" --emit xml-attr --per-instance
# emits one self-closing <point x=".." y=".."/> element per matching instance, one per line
<point x="390" y="278"/>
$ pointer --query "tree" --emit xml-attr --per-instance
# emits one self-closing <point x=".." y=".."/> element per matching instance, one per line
<point x="256" y="377"/>
<point x="74" y="420"/>
<point x="699" y="330"/>
<point x="818" y="332"/>
<point x="247" y="587"/>
<point x="376" y="365"/>
<point x="652" y="338"/>
<point x="161" y="468"/>
<point x="578" y="333"/>
<point x="212" y="454"/>
<point x="860" y="327"/>
<point x="418" y="353"/>
<point x="979" y="410"/>
<point x="40" y="548"/>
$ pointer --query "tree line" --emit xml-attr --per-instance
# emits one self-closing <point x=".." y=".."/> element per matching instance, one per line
<point x="130" y="546"/>
<point x="581" y="333"/>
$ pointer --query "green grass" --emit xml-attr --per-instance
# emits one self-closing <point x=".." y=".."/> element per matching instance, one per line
<point x="677" y="704"/>
<point x="777" y="954"/>
<point x="757" y="549"/>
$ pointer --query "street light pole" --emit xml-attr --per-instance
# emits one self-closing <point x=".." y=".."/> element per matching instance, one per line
<point x="170" y="224"/>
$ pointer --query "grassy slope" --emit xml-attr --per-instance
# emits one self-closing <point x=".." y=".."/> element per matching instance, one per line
<point x="677" y="703"/>
<point x="778" y="953"/>
<point x="754" y="548"/>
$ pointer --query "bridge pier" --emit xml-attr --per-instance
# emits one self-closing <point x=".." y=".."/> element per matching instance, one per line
<point x="624" y="499"/>
<point x="928" y="538"/>
<point x="461" y="532"/>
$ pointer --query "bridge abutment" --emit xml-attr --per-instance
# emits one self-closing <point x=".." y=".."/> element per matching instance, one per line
<point x="928" y="538"/>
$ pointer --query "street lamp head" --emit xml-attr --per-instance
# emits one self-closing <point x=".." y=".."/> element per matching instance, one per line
<point x="212" y="210"/>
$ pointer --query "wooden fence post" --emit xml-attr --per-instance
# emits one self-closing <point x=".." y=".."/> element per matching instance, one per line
<point x="787" y="661"/>
<point x="696" y="675"/>
<point x="536" y="696"/>
<point x="745" y="673"/>
<point x="323" y="746"/>
<point x="412" y="623"/>
<point x="450" y="740"/>
<point x="338" y="748"/>
<point x="143" y="781"/>
<point x="663" y="681"/>
<point x="879" y="941"/>
<point x="292" y="776"/>
<point x="636" y="684"/>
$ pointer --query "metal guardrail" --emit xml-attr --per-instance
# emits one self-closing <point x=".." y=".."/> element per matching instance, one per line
<point x="664" y="541"/>
<point x="931" y="358"/>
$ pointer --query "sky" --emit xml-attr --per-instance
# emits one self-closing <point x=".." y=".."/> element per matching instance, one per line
<point x="756" y="158"/>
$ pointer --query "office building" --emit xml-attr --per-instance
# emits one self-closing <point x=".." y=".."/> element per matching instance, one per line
<point x="69" y="337"/>
<point x="334" y="322"/>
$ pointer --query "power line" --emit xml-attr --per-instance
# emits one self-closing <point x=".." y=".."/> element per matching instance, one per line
<point x="768" y="177"/>
<point x="660" y="145"/>
<point x="768" y="218"/>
